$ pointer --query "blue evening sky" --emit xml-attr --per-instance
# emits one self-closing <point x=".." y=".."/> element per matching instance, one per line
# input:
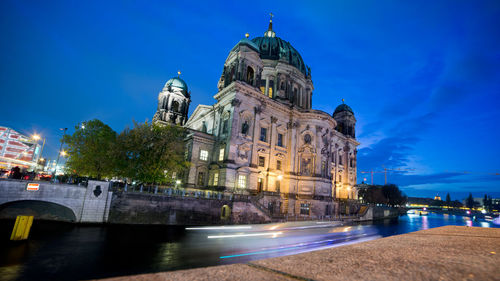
<point x="423" y="77"/>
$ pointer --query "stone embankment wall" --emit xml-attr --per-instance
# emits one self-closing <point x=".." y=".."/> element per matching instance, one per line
<point x="141" y="208"/>
<point x="377" y="213"/>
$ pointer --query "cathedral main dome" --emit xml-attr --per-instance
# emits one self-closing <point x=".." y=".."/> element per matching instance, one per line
<point x="275" y="48"/>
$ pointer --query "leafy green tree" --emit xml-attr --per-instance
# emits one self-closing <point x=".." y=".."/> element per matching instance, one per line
<point x="151" y="153"/>
<point x="393" y="195"/>
<point x="388" y="194"/>
<point x="448" y="199"/>
<point x="469" y="202"/>
<point x="90" y="149"/>
<point x="487" y="203"/>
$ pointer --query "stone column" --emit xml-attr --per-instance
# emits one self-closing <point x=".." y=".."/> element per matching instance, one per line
<point x="273" y="136"/>
<point x="267" y="86"/>
<point x="256" y="134"/>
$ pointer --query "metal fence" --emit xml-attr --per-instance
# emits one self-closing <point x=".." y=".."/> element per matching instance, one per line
<point x="181" y="192"/>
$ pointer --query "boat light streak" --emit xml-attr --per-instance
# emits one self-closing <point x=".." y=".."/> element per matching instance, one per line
<point x="274" y="234"/>
<point x="330" y="243"/>
<point x="218" y="227"/>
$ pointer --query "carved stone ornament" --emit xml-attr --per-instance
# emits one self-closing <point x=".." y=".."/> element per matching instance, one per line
<point x="243" y="150"/>
<point x="280" y="155"/>
<point x="307" y="149"/>
<point x="262" y="150"/>
<point x="235" y="102"/>
<point x="307" y="138"/>
<point x="97" y="191"/>
<point x="274" y="119"/>
<point x="258" y="109"/>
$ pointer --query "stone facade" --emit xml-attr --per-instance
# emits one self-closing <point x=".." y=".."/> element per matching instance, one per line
<point x="263" y="135"/>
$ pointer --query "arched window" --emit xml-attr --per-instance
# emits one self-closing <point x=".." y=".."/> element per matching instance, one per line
<point x="250" y="74"/>
<point x="244" y="127"/>
<point x="282" y="85"/>
<point x="231" y="77"/>
<point x="175" y="106"/>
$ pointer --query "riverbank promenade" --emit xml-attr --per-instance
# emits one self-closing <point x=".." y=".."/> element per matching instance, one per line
<point x="443" y="253"/>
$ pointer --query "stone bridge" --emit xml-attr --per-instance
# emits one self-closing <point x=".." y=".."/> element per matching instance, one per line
<point x="56" y="201"/>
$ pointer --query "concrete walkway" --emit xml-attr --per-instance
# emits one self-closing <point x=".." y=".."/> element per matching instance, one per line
<point x="444" y="253"/>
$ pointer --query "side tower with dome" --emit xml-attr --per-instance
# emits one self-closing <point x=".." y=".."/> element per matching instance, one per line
<point x="262" y="135"/>
<point x="173" y="103"/>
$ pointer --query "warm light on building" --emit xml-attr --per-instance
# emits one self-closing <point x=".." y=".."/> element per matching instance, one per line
<point x="17" y="149"/>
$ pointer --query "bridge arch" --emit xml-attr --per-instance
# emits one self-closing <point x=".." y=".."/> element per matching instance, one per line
<point x="40" y="209"/>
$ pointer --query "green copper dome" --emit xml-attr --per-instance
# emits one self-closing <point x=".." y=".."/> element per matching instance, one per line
<point x="248" y="42"/>
<point x="343" y="107"/>
<point x="275" y="48"/>
<point x="178" y="83"/>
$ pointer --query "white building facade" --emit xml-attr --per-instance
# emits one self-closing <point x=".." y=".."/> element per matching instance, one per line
<point x="262" y="134"/>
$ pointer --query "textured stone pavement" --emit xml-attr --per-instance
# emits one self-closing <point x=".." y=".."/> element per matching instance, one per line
<point x="444" y="253"/>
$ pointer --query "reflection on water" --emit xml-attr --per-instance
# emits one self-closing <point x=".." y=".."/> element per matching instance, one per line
<point x="68" y="252"/>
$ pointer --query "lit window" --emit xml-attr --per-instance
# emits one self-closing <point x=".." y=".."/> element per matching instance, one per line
<point x="304" y="209"/>
<point x="263" y="134"/>
<point x="216" y="179"/>
<point x="242" y="181"/>
<point x="262" y="161"/>
<point x="280" y="140"/>
<point x="203" y="155"/>
<point x="221" y="154"/>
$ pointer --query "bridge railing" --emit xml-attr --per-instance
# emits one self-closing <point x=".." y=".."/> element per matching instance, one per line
<point x="65" y="182"/>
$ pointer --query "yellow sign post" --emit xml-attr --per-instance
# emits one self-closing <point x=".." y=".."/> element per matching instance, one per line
<point x="22" y="228"/>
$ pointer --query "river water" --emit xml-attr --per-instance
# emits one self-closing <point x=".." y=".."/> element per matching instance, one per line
<point x="58" y="251"/>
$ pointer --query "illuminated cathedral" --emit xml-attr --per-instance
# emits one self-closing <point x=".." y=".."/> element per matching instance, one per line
<point x="262" y="135"/>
